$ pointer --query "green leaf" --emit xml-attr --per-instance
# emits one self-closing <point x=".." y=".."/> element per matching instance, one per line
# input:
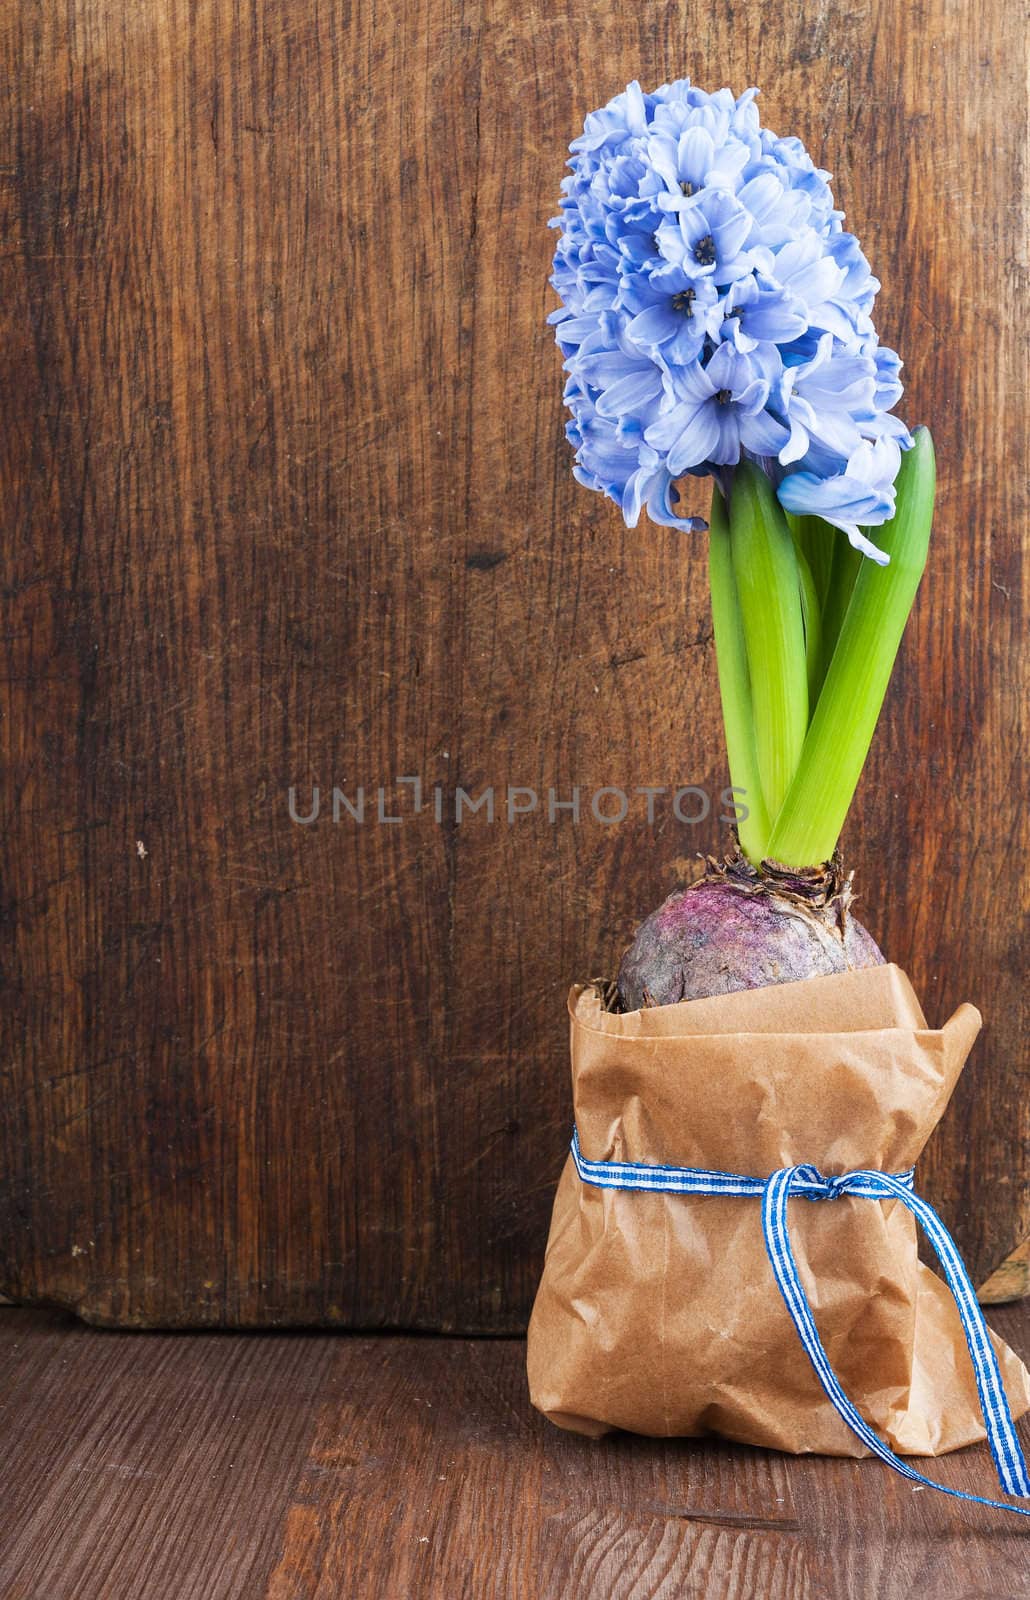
<point x="734" y="684"/>
<point x="811" y="616"/>
<point x="808" y="826"/>
<point x="769" y="593"/>
<point x="844" y="568"/>
<point x="816" y="541"/>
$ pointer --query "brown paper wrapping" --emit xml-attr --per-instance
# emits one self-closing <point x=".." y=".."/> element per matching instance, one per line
<point x="659" y="1313"/>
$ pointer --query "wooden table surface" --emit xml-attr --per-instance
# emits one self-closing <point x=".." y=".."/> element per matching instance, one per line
<point x="315" y="1466"/>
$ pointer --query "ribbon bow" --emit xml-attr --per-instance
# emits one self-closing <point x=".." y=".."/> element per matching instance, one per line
<point x="806" y="1182"/>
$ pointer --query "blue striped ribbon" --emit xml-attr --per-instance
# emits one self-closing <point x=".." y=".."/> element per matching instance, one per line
<point x="808" y="1183"/>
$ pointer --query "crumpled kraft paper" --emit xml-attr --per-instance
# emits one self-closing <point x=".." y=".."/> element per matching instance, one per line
<point x="658" y="1313"/>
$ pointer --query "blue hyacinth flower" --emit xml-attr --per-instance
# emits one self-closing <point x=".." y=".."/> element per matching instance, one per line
<point x="860" y="493"/>
<point x="714" y="411"/>
<point x="714" y="306"/>
<point x="670" y="312"/>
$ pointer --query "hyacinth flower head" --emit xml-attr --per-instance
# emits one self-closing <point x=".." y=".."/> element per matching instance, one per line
<point x="714" y="308"/>
<point x="716" y="320"/>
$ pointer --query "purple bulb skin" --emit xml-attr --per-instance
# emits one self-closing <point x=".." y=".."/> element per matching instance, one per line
<point x="721" y="935"/>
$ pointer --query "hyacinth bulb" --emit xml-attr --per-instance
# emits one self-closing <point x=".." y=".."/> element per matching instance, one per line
<point x="737" y="928"/>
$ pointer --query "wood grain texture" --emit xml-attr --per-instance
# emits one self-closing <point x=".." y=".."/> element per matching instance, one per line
<point x="1010" y="1281"/>
<point x="288" y="502"/>
<point x="305" y="1467"/>
<point x="148" y="1467"/>
<point x="482" y="1497"/>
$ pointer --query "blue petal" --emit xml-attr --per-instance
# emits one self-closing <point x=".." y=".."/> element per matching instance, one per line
<point x="632" y="393"/>
<point x="696" y="442"/>
<point x="762" y="433"/>
<point x="604" y="369"/>
<point x="688" y="432"/>
<point x="726" y="451"/>
<point x="655" y="325"/>
<point x="772" y="317"/>
<point x="685" y="344"/>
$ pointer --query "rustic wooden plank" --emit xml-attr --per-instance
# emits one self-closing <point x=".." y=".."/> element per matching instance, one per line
<point x="1010" y="1281"/>
<point x="289" y="503"/>
<point x="157" y="1469"/>
<point x="163" y="1467"/>
<point x="227" y="349"/>
<point x="451" y="1485"/>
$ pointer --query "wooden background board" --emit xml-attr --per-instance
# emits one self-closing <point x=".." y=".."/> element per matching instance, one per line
<point x="287" y="501"/>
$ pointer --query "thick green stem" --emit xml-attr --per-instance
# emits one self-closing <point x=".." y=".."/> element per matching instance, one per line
<point x="734" y="685"/>
<point x="807" y="828"/>
<point x="769" y="592"/>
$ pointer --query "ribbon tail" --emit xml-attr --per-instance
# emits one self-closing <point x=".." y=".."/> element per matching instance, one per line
<point x="788" y="1281"/>
<point x="997" y="1414"/>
